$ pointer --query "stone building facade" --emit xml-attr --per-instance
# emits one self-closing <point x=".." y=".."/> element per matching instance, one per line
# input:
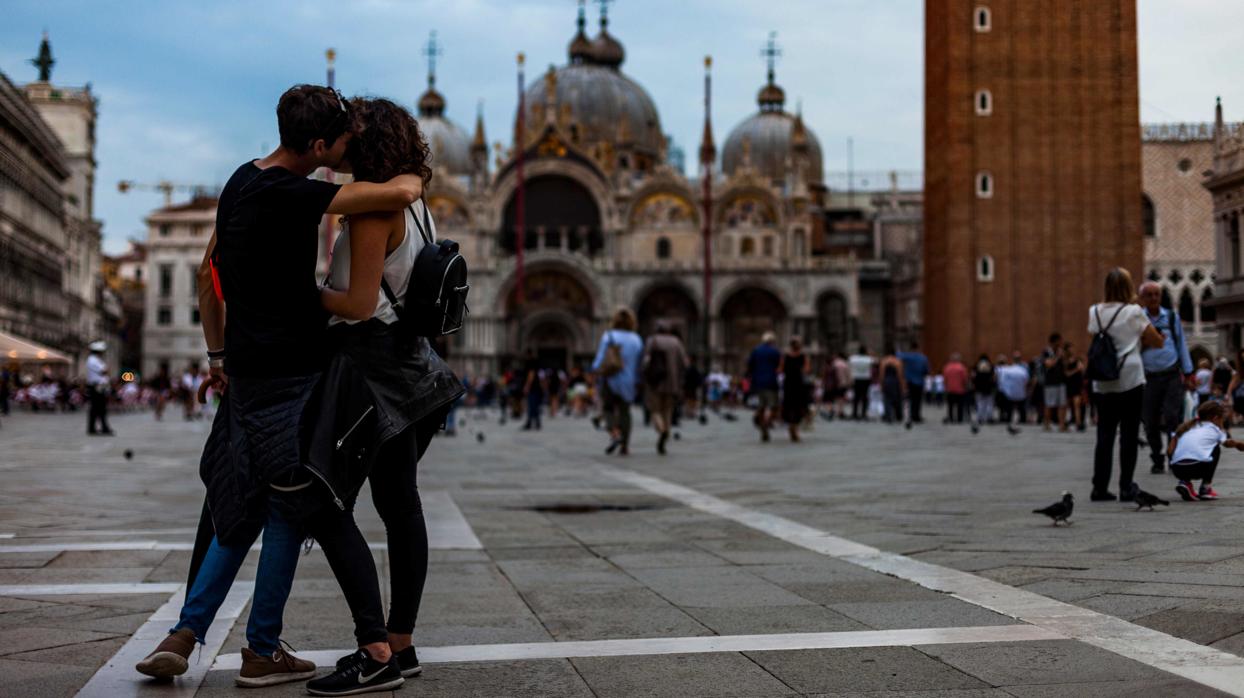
<point x="1032" y="168"/>
<point x="177" y="237"/>
<point x="609" y="223"/>
<point x="51" y="291"/>
<point x="1225" y="183"/>
<point x="1177" y="216"/>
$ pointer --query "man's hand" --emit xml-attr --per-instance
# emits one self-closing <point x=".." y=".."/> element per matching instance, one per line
<point x="216" y="379"/>
<point x="411" y="182"/>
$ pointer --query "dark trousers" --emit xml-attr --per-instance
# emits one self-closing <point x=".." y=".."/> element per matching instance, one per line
<point x="859" y="398"/>
<point x="1198" y="470"/>
<point x="956" y="407"/>
<point x="98" y="412"/>
<point x="395" y="494"/>
<point x="1117" y="412"/>
<point x="1164" y="401"/>
<point x="534" y="402"/>
<point x="915" y="399"/>
<point x="892" y="392"/>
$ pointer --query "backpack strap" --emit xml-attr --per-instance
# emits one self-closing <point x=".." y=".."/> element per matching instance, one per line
<point x="427" y="239"/>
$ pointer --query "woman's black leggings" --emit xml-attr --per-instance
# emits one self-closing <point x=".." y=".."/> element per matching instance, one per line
<point x="396" y="495"/>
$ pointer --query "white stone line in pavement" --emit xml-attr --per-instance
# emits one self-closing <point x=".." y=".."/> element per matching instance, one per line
<point x="67" y="589"/>
<point x="6" y="535"/>
<point x="446" y="524"/>
<point x="40" y="533"/>
<point x="118" y="678"/>
<point x="1204" y="665"/>
<point x="698" y="645"/>
<point x="88" y="547"/>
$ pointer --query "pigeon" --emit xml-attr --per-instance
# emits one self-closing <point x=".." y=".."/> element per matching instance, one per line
<point x="480" y="437"/>
<point x="908" y="426"/>
<point x="1012" y="430"/>
<point x="729" y="417"/>
<point x="677" y="436"/>
<point x="703" y="419"/>
<point x="975" y="429"/>
<point x="1058" y="511"/>
<point x="129" y="454"/>
<point x="1144" y="499"/>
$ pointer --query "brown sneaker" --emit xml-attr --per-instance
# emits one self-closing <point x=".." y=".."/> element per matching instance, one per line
<point x="171" y="656"/>
<point x="281" y="667"/>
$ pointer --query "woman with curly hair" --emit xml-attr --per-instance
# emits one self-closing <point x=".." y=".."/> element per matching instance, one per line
<point x="383" y="397"/>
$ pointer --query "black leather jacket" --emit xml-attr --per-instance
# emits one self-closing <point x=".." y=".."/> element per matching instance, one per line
<point x="377" y="385"/>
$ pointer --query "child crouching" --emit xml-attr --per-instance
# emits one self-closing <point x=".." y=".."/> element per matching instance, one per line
<point x="1195" y="449"/>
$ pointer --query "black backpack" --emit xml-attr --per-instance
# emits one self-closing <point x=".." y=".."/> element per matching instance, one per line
<point x="656" y="371"/>
<point x="436" y="292"/>
<point x="1104" y="362"/>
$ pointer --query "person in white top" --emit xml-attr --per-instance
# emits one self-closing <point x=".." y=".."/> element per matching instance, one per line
<point x="861" y="365"/>
<point x="1195" y="449"/>
<point x="97" y="387"/>
<point x="1120" y="400"/>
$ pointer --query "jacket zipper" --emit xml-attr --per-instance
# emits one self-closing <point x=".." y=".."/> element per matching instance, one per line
<point x="356" y="426"/>
<point x="336" y="499"/>
<point x="441" y="293"/>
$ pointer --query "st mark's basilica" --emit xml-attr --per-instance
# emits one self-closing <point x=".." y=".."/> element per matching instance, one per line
<point x="609" y="222"/>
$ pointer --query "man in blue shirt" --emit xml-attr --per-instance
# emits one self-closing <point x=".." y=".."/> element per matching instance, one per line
<point x="762" y="367"/>
<point x="1166" y="370"/>
<point x="915" y="370"/>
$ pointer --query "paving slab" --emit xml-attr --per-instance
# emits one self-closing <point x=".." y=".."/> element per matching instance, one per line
<point x="862" y="669"/>
<point x="1179" y="688"/>
<point x="945" y="612"/>
<point x="679" y="676"/>
<point x="1044" y="662"/>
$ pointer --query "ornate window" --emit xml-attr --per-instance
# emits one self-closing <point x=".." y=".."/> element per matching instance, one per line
<point x="1208" y="312"/>
<point x="982" y="19"/>
<point x="166" y="280"/>
<point x="1187" y="307"/>
<point x="984" y="103"/>
<point x="985" y="269"/>
<point x="1148" y="216"/>
<point x="663" y="248"/>
<point x="984" y="185"/>
<point x="747" y="247"/>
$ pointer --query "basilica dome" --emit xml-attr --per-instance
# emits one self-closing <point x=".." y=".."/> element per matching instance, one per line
<point x="768" y="139"/>
<point x="450" y="144"/>
<point x="599" y="103"/>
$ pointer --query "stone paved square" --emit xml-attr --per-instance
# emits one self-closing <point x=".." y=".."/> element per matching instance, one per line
<point x="620" y="585"/>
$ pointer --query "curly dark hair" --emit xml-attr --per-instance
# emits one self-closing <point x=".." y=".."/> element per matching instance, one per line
<point x="387" y="142"/>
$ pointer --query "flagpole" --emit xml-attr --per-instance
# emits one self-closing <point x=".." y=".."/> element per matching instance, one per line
<point x="708" y="153"/>
<point x="326" y="223"/>
<point x="520" y="217"/>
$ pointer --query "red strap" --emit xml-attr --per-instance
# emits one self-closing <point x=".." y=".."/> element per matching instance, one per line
<point x="211" y="262"/>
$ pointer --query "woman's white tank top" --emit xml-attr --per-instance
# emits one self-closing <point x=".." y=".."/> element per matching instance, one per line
<point x="397" y="264"/>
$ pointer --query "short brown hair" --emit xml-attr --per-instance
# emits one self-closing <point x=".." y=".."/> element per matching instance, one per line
<point x="624" y="319"/>
<point x="1119" y="288"/>
<point x="307" y="113"/>
<point x="386" y="142"/>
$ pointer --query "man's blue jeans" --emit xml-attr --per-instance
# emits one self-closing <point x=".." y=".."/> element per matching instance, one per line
<point x="277" y="561"/>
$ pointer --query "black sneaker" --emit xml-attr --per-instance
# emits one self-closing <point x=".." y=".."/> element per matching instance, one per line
<point x="1157" y="469"/>
<point x="408" y="662"/>
<point x="358" y="673"/>
<point x="1102" y="496"/>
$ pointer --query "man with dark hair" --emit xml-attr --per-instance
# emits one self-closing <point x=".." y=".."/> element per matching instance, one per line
<point x="1055" y="391"/>
<point x="915" y="370"/>
<point x="261" y="260"/>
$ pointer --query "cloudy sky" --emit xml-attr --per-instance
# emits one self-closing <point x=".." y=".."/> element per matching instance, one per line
<point x="187" y="90"/>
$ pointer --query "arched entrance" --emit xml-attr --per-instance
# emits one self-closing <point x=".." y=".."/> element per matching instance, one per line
<point x="554" y="320"/>
<point x="560" y="213"/>
<point x="745" y="316"/>
<point x="673" y="305"/>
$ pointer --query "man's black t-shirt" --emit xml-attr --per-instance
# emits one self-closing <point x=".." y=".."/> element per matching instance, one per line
<point x="266" y="252"/>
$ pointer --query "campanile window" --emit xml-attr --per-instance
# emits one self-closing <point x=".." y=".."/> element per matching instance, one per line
<point x="984" y="269"/>
<point x="982" y="19"/>
<point x="984" y="103"/>
<point x="984" y="185"/>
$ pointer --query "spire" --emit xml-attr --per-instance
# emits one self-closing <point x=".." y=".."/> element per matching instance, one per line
<point x="708" y="151"/>
<point x="798" y="134"/>
<point x="431" y="103"/>
<point x="478" y="142"/>
<point x="771" y="97"/>
<point x="580" y="46"/>
<point x="44" y="60"/>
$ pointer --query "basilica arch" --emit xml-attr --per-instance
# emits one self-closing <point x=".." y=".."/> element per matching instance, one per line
<point x="672" y="302"/>
<point x="556" y="317"/>
<point x="745" y="315"/>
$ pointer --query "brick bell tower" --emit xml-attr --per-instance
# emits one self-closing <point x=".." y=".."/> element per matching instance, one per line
<point x="1032" y="169"/>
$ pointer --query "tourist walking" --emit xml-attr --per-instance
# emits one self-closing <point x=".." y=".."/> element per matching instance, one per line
<point x="1012" y="379"/>
<point x="663" y="367"/>
<point x="984" y="384"/>
<point x="98" y="388"/>
<point x="271" y="354"/>
<point x="1121" y="330"/>
<point x="762" y="376"/>
<point x="893" y="386"/>
<point x="535" y="385"/>
<point x="1168" y="371"/>
<point x="1073" y="377"/>
<point x="956" y="380"/>
<point x="915" y="372"/>
<point x="1055" y="391"/>
<point x="861" y="365"/>
<point x="795" y="367"/>
<point x="617" y="361"/>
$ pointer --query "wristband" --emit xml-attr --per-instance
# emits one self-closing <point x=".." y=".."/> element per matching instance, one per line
<point x="215" y="353"/>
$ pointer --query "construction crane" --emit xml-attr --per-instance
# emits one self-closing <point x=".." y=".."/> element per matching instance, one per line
<point x="165" y="187"/>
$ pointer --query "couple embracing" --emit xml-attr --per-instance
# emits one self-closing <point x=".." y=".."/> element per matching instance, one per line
<point x="325" y="387"/>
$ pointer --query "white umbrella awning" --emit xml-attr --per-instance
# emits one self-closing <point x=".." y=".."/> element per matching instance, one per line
<point x="13" y="348"/>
